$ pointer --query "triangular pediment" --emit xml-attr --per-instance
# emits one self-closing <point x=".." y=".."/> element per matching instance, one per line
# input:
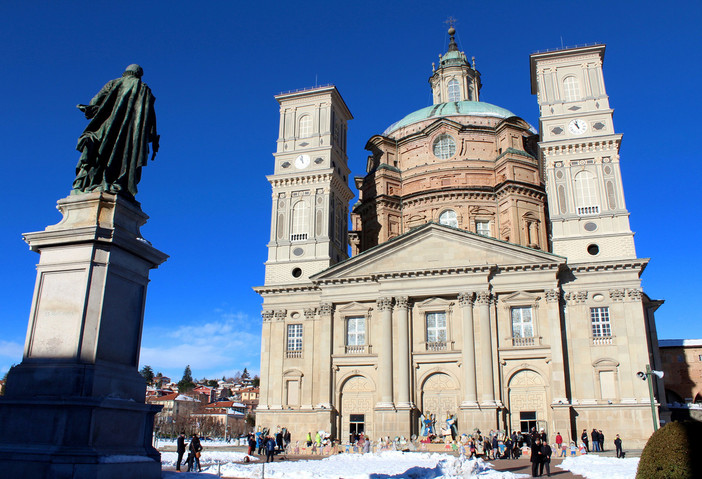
<point x="521" y="297"/>
<point x="438" y="247"/>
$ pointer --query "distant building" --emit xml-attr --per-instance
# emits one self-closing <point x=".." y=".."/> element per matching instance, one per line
<point x="682" y="364"/>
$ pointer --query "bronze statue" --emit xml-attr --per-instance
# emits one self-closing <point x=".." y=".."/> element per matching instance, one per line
<point x="114" y="145"/>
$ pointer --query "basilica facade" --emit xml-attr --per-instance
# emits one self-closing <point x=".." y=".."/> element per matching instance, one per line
<point x="493" y="275"/>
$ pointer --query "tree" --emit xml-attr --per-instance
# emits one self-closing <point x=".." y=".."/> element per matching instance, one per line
<point x="245" y="375"/>
<point x="212" y="383"/>
<point x="148" y="374"/>
<point x="186" y="384"/>
<point x="4" y="381"/>
<point x="158" y="380"/>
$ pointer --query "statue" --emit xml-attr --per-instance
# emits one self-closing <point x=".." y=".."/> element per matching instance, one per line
<point x="422" y="425"/>
<point x="451" y="425"/>
<point x="114" y="145"/>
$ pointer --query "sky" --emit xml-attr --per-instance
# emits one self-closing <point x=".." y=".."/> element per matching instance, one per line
<point x="215" y="67"/>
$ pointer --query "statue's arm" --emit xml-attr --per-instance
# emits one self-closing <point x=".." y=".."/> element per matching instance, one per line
<point x="91" y="109"/>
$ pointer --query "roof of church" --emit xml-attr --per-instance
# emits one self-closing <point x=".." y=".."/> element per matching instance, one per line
<point x="456" y="108"/>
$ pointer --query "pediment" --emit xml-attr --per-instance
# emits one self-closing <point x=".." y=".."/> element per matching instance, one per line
<point x="433" y="247"/>
<point x="521" y="297"/>
<point x="354" y="307"/>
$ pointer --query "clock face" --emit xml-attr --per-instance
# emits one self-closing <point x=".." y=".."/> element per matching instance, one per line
<point x="577" y="126"/>
<point x="302" y="161"/>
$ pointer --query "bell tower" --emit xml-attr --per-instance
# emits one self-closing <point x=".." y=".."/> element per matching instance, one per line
<point x="310" y="186"/>
<point x="580" y="153"/>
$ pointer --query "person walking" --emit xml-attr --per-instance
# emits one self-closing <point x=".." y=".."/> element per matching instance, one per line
<point x="618" y="446"/>
<point x="181" y="449"/>
<point x="585" y="440"/>
<point x="545" y="459"/>
<point x="536" y="455"/>
<point x="252" y="444"/>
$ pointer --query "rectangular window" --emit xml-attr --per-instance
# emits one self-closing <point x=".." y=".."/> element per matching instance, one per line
<point x="527" y="421"/>
<point x="356" y="331"/>
<point x="294" y="337"/>
<point x="600" y="322"/>
<point x="482" y="228"/>
<point x="522" y="323"/>
<point x="436" y="328"/>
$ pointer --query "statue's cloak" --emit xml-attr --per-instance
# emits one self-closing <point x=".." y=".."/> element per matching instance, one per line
<point x="115" y="144"/>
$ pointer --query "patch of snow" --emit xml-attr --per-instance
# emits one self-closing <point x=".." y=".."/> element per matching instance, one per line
<point x="596" y="467"/>
<point x="186" y="475"/>
<point x="207" y="457"/>
<point x="367" y="466"/>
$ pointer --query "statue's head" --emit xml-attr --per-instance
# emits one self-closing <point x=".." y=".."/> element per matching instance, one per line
<point x="133" y="70"/>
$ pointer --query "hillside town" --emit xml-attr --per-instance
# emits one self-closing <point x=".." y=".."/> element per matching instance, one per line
<point x="222" y="408"/>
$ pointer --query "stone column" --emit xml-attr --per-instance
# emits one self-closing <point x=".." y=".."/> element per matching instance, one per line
<point x="488" y="392"/>
<point x="266" y="316"/>
<point x="403" y="353"/>
<point x="325" y="366"/>
<point x="465" y="300"/>
<point x="556" y="342"/>
<point x="385" y="378"/>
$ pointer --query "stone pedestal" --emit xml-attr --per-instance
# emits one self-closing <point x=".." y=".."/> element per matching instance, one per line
<point x="74" y="408"/>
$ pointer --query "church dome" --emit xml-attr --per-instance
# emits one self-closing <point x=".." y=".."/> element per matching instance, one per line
<point x="457" y="108"/>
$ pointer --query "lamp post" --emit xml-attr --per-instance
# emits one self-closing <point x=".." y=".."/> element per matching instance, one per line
<point x="647" y="377"/>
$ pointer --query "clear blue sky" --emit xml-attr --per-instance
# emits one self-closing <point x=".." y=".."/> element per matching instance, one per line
<point x="215" y="67"/>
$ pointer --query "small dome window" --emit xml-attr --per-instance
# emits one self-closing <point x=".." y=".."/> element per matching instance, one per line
<point x="444" y="147"/>
<point x="454" y="90"/>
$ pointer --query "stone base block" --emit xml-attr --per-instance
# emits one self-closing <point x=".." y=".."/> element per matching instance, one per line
<point x="76" y="438"/>
<point x="478" y="417"/>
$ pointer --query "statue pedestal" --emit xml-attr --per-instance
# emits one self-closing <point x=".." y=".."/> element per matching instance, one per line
<point x="74" y="408"/>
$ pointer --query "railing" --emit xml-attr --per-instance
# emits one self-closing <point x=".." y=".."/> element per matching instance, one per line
<point x="296" y="354"/>
<point x="588" y="210"/>
<point x="528" y="342"/>
<point x="436" y="346"/>
<point x="298" y="237"/>
<point x="599" y="340"/>
<point x="360" y="349"/>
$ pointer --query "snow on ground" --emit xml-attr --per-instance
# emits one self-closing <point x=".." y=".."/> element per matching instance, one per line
<point x="596" y="467"/>
<point x="385" y="465"/>
<point x="205" y="442"/>
<point x="186" y="475"/>
<point x="207" y="457"/>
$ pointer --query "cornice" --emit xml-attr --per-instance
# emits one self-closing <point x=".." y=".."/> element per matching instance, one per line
<point x="510" y="187"/>
<point x="636" y="264"/>
<point x="581" y="145"/>
<point x="286" y="288"/>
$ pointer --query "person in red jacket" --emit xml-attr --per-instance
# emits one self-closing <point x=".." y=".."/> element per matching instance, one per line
<point x="559" y="443"/>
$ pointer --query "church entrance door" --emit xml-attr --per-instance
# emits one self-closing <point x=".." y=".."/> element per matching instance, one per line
<point x="440" y="397"/>
<point x="527" y="401"/>
<point x="356" y="407"/>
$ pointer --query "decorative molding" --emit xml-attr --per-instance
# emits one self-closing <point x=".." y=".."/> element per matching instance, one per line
<point x="402" y="302"/>
<point x="552" y="295"/>
<point x="617" y="294"/>
<point x="576" y="296"/>
<point x="466" y="299"/>
<point x="325" y="309"/>
<point x="267" y="314"/>
<point x="384" y="304"/>
<point x="483" y="297"/>
<point x="280" y="314"/>
<point x="634" y="294"/>
<point x="310" y="313"/>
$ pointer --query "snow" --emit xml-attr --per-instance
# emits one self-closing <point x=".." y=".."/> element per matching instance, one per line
<point x="367" y="466"/>
<point x="117" y="458"/>
<point x="207" y="457"/>
<point x="187" y="475"/>
<point x="162" y="442"/>
<point x="596" y="467"/>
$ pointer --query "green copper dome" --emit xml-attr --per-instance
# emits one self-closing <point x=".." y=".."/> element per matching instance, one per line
<point x="457" y="108"/>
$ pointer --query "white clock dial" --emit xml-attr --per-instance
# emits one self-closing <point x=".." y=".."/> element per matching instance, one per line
<point x="302" y="161"/>
<point x="577" y="126"/>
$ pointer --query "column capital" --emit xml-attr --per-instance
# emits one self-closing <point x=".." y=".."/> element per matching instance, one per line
<point x="402" y="302"/>
<point x="466" y="299"/>
<point x="280" y="314"/>
<point x="384" y="304"/>
<point x="553" y="295"/>
<point x="310" y="313"/>
<point x="325" y="309"/>
<point x="267" y="314"/>
<point x="483" y="297"/>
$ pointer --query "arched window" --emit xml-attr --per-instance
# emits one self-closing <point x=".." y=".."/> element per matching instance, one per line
<point x="571" y="90"/>
<point x="300" y="223"/>
<point x="454" y="90"/>
<point x="305" y="126"/>
<point x="444" y="147"/>
<point x="449" y="218"/>
<point x="586" y="193"/>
